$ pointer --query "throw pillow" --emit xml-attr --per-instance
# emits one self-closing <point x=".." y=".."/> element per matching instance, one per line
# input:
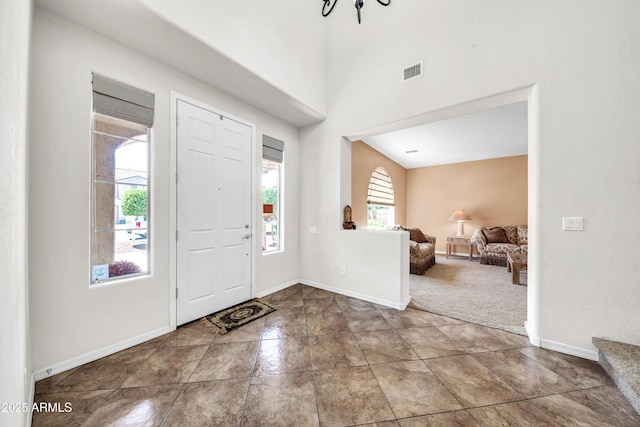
<point x="523" y="235"/>
<point x="495" y="235"/>
<point x="416" y="235"/>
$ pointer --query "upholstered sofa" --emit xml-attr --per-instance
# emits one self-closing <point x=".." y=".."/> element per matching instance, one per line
<point x="494" y="243"/>
<point x="422" y="249"/>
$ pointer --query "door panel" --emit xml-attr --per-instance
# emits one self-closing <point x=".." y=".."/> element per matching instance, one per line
<point x="202" y="265"/>
<point x="201" y="194"/>
<point x="234" y="201"/>
<point x="233" y="275"/>
<point x="213" y="212"/>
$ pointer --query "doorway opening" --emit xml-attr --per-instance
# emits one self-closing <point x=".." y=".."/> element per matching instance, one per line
<point x="427" y="200"/>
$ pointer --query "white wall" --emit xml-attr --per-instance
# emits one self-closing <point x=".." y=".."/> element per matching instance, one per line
<point x="15" y="360"/>
<point x="285" y="43"/>
<point x="70" y="319"/>
<point x="359" y="250"/>
<point x="377" y="261"/>
<point x="583" y="58"/>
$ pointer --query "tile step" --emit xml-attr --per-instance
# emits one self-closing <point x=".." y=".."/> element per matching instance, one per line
<point x="622" y="362"/>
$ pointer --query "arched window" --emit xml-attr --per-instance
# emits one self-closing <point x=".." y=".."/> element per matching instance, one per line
<point x="380" y="200"/>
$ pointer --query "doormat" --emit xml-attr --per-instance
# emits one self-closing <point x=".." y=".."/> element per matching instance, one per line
<point x="231" y="318"/>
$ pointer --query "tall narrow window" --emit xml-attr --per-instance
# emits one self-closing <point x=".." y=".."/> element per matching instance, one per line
<point x="122" y="118"/>
<point x="380" y="200"/>
<point x="272" y="156"/>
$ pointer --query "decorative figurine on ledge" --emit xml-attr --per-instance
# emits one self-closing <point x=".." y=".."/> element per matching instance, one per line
<point x="348" y="224"/>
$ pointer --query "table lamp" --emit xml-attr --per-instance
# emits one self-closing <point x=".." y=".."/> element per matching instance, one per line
<point x="460" y="216"/>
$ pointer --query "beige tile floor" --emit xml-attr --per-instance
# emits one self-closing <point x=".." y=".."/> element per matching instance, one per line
<point x="328" y="360"/>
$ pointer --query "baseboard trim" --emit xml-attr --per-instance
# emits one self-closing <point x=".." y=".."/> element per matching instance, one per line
<point x="274" y="289"/>
<point x="98" y="354"/>
<point x="32" y="396"/>
<point x="405" y="304"/>
<point x="534" y="340"/>
<point x="569" y="349"/>
<point x="379" y="301"/>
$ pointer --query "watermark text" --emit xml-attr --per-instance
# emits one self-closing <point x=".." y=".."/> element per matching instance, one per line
<point x="60" y="407"/>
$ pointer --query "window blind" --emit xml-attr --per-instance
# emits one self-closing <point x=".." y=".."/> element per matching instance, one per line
<point x="380" y="188"/>
<point x="122" y="101"/>
<point x="272" y="149"/>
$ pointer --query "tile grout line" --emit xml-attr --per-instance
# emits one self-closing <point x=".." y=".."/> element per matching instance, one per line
<point x="597" y="392"/>
<point x="183" y="388"/>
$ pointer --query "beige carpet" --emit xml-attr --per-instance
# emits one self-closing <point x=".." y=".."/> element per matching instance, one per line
<point x="622" y="363"/>
<point x="469" y="291"/>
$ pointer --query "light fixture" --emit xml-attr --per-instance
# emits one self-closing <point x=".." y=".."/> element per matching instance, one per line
<point x="460" y="216"/>
<point x="328" y="6"/>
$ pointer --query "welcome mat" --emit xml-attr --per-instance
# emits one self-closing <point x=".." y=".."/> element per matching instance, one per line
<point x="231" y="318"/>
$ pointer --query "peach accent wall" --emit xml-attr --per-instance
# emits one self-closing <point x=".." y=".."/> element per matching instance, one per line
<point x="492" y="192"/>
<point x="364" y="160"/>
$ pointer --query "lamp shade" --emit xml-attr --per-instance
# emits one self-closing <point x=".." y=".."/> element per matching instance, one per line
<point x="460" y="215"/>
<point x="267" y="209"/>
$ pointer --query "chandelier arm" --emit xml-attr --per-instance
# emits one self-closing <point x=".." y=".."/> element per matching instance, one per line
<point x="359" y="4"/>
<point x="328" y="6"/>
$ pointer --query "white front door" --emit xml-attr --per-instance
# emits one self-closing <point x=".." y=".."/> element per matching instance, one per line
<point x="213" y="212"/>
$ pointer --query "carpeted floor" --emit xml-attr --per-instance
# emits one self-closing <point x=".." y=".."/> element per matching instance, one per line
<point x="469" y="291"/>
<point x="622" y="363"/>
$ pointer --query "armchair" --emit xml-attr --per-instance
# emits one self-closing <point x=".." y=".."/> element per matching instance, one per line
<point x="422" y="249"/>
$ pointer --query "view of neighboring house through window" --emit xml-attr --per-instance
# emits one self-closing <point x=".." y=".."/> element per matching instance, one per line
<point x="120" y="197"/>
<point x="380" y="200"/>
<point x="272" y="153"/>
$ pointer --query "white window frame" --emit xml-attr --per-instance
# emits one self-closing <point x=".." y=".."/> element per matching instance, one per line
<point x="128" y="104"/>
<point x="280" y="207"/>
<point x="380" y="193"/>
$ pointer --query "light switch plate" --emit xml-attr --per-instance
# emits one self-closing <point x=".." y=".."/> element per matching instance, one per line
<point x="572" y="223"/>
<point x="313" y="229"/>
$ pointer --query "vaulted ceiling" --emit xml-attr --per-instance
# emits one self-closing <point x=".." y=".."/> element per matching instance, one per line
<point x="487" y="134"/>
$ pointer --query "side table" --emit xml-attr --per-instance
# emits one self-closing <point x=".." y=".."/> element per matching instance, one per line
<point x="515" y="264"/>
<point x="459" y="241"/>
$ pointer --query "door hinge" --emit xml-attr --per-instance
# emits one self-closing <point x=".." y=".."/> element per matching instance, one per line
<point x="176" y="234"/>
<point x="176" y="178"/>
<point x="176" y="293"/>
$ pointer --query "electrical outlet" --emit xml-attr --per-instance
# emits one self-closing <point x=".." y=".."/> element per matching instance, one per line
<point x="313" y="229"/>
<point x="343" y="271"/>
<point x="572" y="223"/>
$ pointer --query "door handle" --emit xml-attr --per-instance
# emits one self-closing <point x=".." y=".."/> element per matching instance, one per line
<point x="247" y="236"/>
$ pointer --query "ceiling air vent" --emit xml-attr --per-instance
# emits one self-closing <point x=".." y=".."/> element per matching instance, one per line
<point x="413" y="71"/>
